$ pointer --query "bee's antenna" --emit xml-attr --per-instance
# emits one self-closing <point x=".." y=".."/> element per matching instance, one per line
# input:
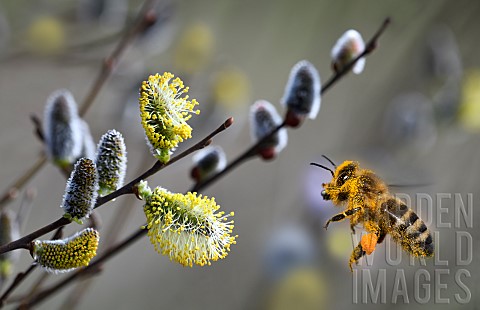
<point x="323" y="167"/>
<point x="325" y="156"/>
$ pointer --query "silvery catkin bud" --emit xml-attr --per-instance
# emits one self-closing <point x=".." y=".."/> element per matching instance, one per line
<point x="65" y="255"/>
<point x="81" y="191"/>
<point x="264" y="118"/>
<point x="347" y="48"/>
<point x="208" y="161"/>
<point x="302" y="93"/>
<point x="111" y="161"/>
<point x="62" y="128"/>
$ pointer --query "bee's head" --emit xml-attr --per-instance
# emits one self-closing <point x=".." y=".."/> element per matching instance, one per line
<point x="344" y="172"/>
<point x="325" y="194"/>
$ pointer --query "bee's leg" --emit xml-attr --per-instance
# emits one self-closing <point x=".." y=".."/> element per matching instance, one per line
<point x="376" y="235"/>
<point x="342" y="216"/>
<point x="352" y="228"/>
<point x="357" y="253"/>
<point x="382" y="236"/>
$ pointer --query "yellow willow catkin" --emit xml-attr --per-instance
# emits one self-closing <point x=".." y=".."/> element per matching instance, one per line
<point x="67" y="254"/>
<point x="165" y="110"/>
<point x="187" y="227"/>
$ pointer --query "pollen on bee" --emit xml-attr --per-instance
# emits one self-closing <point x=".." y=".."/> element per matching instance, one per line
<point x="368" y="242"/>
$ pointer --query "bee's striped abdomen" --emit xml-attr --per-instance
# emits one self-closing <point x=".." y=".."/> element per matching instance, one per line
<point x="407" y="228"/>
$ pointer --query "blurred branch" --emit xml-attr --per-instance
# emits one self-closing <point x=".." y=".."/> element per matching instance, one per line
<point x="18" y="279"/>
<point x="145" y="19"/>
<point x="25" y="206"/>
<point x="38" y="127"/>
<point x="164" y="12"/>
<point x="11" y="192"/>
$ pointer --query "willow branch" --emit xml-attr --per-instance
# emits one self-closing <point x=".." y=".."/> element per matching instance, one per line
<point x="128" y="189"/>
<point x="248" y="154"/>
<point x="253" y="150"/>
<point x="25" y="241"/>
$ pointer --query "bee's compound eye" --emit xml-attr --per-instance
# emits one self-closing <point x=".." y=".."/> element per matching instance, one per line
<point x="342" y="178"/>
<point x="325" y="196"/>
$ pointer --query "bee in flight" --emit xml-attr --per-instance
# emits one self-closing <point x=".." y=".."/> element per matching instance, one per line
<point x="367" y="200"/>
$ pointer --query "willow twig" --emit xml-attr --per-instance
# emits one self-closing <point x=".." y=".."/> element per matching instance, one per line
<point x="25" y="241"/>
<point x="128" y="189"/>
<point x="145" y="19"/>
<point x="248" y="154"/>
<point x="252" y="151"/>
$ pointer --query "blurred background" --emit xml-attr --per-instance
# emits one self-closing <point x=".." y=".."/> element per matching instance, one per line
<point x="413" y="116"/>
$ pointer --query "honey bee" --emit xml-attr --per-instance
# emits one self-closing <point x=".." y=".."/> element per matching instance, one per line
<point x="368" y="201"/>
